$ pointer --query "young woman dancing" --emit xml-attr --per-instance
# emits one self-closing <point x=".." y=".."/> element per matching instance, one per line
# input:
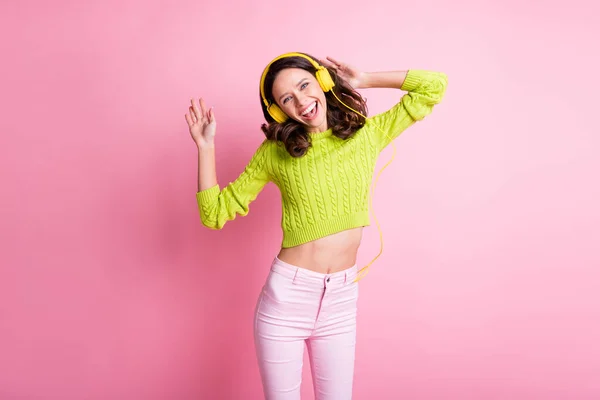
<point x="320" y="150"/>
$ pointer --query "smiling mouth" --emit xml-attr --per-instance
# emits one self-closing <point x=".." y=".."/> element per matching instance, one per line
<point x="311" y="111"/>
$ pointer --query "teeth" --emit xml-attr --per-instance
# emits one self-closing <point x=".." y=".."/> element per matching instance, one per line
<point x="310" y="108"/>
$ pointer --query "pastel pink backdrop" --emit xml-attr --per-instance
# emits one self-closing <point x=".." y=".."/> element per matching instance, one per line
<point x="110" y="288"/>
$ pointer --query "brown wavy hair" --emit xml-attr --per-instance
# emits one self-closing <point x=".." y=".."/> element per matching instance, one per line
<point x="342" y="121"/>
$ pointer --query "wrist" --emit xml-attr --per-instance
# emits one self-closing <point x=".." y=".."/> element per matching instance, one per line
<point x="364" y="80"/>
<point x="206" y="147"/>
<point x="387" y="79"/>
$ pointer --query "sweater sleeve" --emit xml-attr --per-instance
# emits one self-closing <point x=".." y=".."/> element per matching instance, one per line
<point x="425" y="89"/>
<point x="219" y="206"/>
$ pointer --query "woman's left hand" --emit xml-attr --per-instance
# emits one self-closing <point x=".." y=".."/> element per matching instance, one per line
<point x="353" y="76"/>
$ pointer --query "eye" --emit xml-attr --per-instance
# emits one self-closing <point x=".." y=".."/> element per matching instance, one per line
<point x="305" y="84"/>
<point x="286" y="100"/>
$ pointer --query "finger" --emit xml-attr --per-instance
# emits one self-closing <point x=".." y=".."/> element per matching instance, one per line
<point x="211" y="115"/>
<point x="339" y="64"/>
<point x="197" y="114"/>
<point x="327" y="63"/>
<point x="203" y="107"/>
<point x="193" y="116"/>
<point x="189" y="119"/>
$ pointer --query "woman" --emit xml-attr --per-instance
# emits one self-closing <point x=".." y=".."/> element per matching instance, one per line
<point x="320" y="151"/>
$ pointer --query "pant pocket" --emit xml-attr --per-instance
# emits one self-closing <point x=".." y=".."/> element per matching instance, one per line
<point x="279" y="288"/>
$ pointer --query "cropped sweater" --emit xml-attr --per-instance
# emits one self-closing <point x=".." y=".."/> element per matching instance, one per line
<point x="326" y="190"/>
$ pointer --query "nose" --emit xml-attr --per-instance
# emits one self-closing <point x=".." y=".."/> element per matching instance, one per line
<point x="302" y="100"/>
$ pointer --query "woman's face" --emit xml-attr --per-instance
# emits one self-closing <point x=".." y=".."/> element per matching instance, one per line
<point x="299" y="95"/>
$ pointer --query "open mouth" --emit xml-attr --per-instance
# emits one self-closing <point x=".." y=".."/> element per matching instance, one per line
<point x="311" y="111"/>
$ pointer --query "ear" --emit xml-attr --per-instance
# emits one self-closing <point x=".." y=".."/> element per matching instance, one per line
<point x="325" y="80"/>
<point x="278" y="115"/>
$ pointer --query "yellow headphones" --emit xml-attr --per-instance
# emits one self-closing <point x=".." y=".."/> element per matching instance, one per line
<point x="326" y="82"/>
<point x="323" y="77"/>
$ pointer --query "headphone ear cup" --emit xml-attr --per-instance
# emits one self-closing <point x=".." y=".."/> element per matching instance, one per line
<point x="278" y="115"/>
<point x="324" y="79"/>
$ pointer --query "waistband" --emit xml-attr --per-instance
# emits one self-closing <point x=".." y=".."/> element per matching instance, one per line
<point x="306" y="276"/>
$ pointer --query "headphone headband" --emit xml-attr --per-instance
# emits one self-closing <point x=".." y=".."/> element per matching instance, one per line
<point x="286" y="55"/>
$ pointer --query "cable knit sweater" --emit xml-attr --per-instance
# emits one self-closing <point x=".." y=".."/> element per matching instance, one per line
<point x="326" y="190"/>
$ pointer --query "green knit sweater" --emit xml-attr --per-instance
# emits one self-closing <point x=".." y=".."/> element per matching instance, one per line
<point x="326" y="190"/>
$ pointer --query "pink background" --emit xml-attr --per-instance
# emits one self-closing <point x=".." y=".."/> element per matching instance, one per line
<point x="110" y="288"/>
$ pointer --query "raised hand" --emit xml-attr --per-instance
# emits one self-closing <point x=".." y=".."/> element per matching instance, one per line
<point x="353" y="76"/>
<point x="202" y="124"/>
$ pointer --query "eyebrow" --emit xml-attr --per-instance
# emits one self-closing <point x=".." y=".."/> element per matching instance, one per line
<point x="297" y="84"/>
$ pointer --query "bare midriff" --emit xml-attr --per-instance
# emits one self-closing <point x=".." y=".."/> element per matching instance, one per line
<point x="326" y="255"/>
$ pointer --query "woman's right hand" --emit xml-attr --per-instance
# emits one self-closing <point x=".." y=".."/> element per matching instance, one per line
<point x="202" y="124"/>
